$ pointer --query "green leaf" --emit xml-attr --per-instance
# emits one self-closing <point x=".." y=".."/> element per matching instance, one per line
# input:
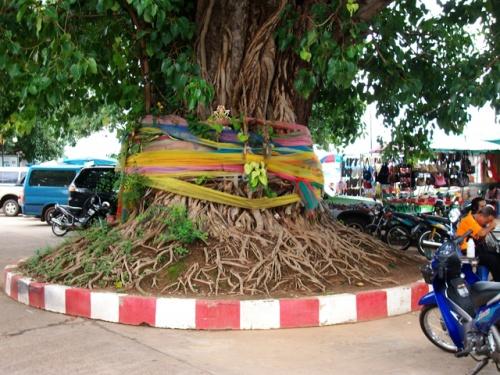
<point x="305" y="55"/>
<point x="351" y="52"/>
<point x="38" y="25"/>
<point x="218" y="128"/>
<point x="248" y="168"/>
<point x="92" y="65"/>
<point x="32" y="89"/>
<point x="352" y="8"/>
<point x="242" y="137"/>
<point x="75" y="71"/>
<point x="253" y="183"/>
<point x="44" y="82"/>
<point x="13" y="71"/>
<point x="263" y="179"/>
<point x="147" y="15"/>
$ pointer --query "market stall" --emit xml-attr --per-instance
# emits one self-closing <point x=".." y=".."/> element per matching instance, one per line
<point x="460" y="168"/>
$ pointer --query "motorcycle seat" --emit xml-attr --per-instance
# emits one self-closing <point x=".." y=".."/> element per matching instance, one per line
<point x="439" y="219"/>
<point x="406" y="216"/>
<point x="73" y="208"/>
<point x="484" y="291"/>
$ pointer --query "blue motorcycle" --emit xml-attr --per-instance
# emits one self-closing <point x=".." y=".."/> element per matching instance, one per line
<point x="462" y="313"/>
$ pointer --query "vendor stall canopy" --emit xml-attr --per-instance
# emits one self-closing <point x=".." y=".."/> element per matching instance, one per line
<point x="453" y="143"/>
<point x="91" y="161"/>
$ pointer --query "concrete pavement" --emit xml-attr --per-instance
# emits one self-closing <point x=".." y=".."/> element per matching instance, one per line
<point x="38" y="342"/>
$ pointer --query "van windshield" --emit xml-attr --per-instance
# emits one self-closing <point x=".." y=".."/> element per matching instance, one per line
<point x="51" y="177"/>
<point x="96" y="180"/>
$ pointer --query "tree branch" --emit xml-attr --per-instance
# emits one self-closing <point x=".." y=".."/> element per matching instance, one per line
<point x="370" y="8"/>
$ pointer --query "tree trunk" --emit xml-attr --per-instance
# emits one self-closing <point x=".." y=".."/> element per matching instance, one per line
<point x="237" y="53"/>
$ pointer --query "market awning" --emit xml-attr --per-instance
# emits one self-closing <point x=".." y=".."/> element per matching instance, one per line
<point x="451" y="143"/>
<point x="93" y="161"/>
<point x="331" y="158"/>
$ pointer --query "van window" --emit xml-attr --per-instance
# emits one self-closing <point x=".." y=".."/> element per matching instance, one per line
<point x="9" y="177"/>
<point x="96" y="180"/>
<point x="51" y="177"/>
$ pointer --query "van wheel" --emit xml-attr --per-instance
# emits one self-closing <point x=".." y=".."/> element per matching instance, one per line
<point x="10" y="207"/>
<point x="48" y="214"/>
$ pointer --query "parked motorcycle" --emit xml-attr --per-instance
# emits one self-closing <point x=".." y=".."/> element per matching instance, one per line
<point x="438" y="229"/>
<point x="404" y="229"/>
<point x="380" y="215"/>
<point x="67" y="218"/>
<point x="462" y="314"/>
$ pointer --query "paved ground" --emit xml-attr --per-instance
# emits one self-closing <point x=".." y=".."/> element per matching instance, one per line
<point x="38" y="342"/>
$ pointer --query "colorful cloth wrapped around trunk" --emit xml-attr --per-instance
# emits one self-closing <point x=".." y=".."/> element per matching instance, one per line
<point x="176" y="154"/>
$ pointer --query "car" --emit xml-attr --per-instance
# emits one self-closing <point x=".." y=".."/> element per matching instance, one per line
<point x="91" y="181"/>
<point x="11" y="189"/>
<point x="45" y="186"/>
<point x="355" y="212"/>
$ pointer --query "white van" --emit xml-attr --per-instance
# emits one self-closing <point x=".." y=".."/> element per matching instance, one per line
<point x="11" y="188"/>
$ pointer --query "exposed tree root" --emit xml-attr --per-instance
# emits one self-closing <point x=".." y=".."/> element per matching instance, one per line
<point x="246" y="253"/>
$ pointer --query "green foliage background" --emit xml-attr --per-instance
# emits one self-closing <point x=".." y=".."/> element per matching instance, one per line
<point x="69" y="67"/>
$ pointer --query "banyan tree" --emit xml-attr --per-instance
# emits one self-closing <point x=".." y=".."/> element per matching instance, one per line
<point x="219" y="103"/>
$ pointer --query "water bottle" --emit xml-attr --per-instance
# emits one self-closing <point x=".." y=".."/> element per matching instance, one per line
<point x="471" y="248"/>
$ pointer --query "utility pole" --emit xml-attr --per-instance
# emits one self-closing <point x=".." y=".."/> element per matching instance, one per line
<point x="2" y="141"/>
<point x="371" y="137"/>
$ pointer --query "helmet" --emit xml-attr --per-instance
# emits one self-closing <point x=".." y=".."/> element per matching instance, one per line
<point x="446" y="262"/>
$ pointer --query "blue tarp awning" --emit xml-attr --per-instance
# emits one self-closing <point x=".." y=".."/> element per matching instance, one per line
<point x="90" y="160"/>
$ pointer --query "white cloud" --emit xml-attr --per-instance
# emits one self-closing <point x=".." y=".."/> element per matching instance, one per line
<point x="98" y="145"/>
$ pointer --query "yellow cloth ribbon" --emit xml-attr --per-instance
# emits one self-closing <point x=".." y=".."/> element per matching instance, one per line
<point x="180" y="187"/>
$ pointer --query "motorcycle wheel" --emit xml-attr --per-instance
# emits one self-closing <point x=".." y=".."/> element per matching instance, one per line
<point x="435" y="330"/>
<point x="398" y="238"/>
<point x="428" y="251"/>
<point x="57" y="230"/>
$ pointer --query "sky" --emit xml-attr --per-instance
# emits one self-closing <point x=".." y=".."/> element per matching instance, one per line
<point x="99" y="145"/>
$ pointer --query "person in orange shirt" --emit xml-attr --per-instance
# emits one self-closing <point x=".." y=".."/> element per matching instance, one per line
<point x="481" y="224"/>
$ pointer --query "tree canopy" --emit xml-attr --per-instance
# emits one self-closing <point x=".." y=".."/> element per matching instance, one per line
<point x="74" y="66"/>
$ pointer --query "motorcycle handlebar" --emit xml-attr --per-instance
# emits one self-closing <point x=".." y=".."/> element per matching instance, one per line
<point x="459" y="240"/>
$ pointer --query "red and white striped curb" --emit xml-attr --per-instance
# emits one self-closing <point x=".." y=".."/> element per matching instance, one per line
<point x="188" y="313"/>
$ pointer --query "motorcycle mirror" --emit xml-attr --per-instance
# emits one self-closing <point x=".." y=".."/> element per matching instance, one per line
<point x="454" y="215"/>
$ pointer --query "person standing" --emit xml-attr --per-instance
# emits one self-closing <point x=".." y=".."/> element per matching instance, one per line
<point x="475" y="205"/>
<point x="493" y="196"/>
<point x="481" y="224"/>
